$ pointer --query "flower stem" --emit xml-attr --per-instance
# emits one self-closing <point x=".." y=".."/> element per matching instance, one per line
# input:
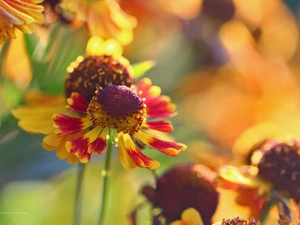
<point x="267" y="208"/>
<point x="77" y="211"/>
<point x="106" y="176"/>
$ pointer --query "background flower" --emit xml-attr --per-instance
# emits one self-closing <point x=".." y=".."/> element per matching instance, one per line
<point x="19" y="14"/>
<point x="103" y="18"/>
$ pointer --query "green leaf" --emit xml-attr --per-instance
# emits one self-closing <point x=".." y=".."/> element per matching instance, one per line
<point x="141" y="68"/>
<point x="65" y="44"/>
<point x="31" y="42"/>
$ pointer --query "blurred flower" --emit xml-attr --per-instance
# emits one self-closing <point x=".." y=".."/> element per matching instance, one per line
<point x="103" y="18"/>
<point x="101" y="66"/>
<point x="189" y="216"/>
<point x="183" y="9"/>
<point x="19" y="14"/>
<point x="183" y="187"/>
<point x="127" y="115"/>
<point x="20" y="73"/>
<point x="257" y="98"/>
<point x="279" y="164"/>
<point x="238" y="221"/>
<point x="274" y="174"/>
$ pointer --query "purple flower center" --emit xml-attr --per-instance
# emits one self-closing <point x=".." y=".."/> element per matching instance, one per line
<point x="117" y="107"/>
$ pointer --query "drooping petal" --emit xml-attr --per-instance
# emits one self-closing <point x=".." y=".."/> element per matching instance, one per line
<point x="77" y="103"/>
<point x="66" y="125"/>
<point x="141" y="160"/>
<point x="79" y="147"/>
<point x="166" y="147"/>
<point x="61" y="152"/>
<point x="51" y="141"/>
<point x="99" y="144"/>
<point x="72" y="159"/>
<point x="125" y="159"/>
<point x="88" y="143"/>
<point x="162" y="125"/>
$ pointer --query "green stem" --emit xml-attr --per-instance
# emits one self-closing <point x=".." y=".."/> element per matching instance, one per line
<point x="106" y="176"/>
<point x="77" y="211"/>
<point x="266" y="210"/>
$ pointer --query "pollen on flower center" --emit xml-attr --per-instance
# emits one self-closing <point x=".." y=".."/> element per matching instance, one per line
<point x="91" y="72"/>
<point x="117" y="107"/>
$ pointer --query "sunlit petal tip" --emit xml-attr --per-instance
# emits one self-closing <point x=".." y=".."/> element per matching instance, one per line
<point x="77" y="103"/>
<point x="183" y="146"/>
<point x="95" y="45"/>
<point x="112" y="47"/>
<point x="153" y="165"/>
<point x="66" y="125"/>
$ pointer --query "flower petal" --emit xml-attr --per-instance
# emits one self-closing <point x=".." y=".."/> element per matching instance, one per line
<point x="189" y="216"/>
<point x="157" y="106"/>
<point x="99" y="144"/>
<point x="149" y="91"/>
<point x="161" y="107"/>
<point x="72" y="159"/>
<point x="77" y="103"/>
<point x="141" y="160"/>
<point x="88" y="143"/>
<point x="126" y="161"/>
<point x="51" y="141"/>
<point x="79" y="147"/>
<point x="166" y="147"/>
<point x="162" y="125"/>
<point x="230" y="177"/>
<point x="38" y="127"/>
<point x="66" y="125"/>
<point x="61" y="152"/>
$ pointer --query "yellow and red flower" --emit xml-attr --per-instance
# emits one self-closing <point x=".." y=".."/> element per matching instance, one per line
<point x="21" y="14"/>
<point x="127" y="115"/>
<point x="103" y="18"/>
<point x="36" y="116"/>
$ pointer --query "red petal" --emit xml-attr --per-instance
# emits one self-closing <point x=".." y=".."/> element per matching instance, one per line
<point x="67" y="125"/>
<point x="77" y="103"/>
<point x="160" y="108"/>
<point x="162" y="125"/>
<point x="99" y="145"/>
<point x="79" y="147"/>
<point x="166" y="147"/>
<point x="136" y="155"/>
